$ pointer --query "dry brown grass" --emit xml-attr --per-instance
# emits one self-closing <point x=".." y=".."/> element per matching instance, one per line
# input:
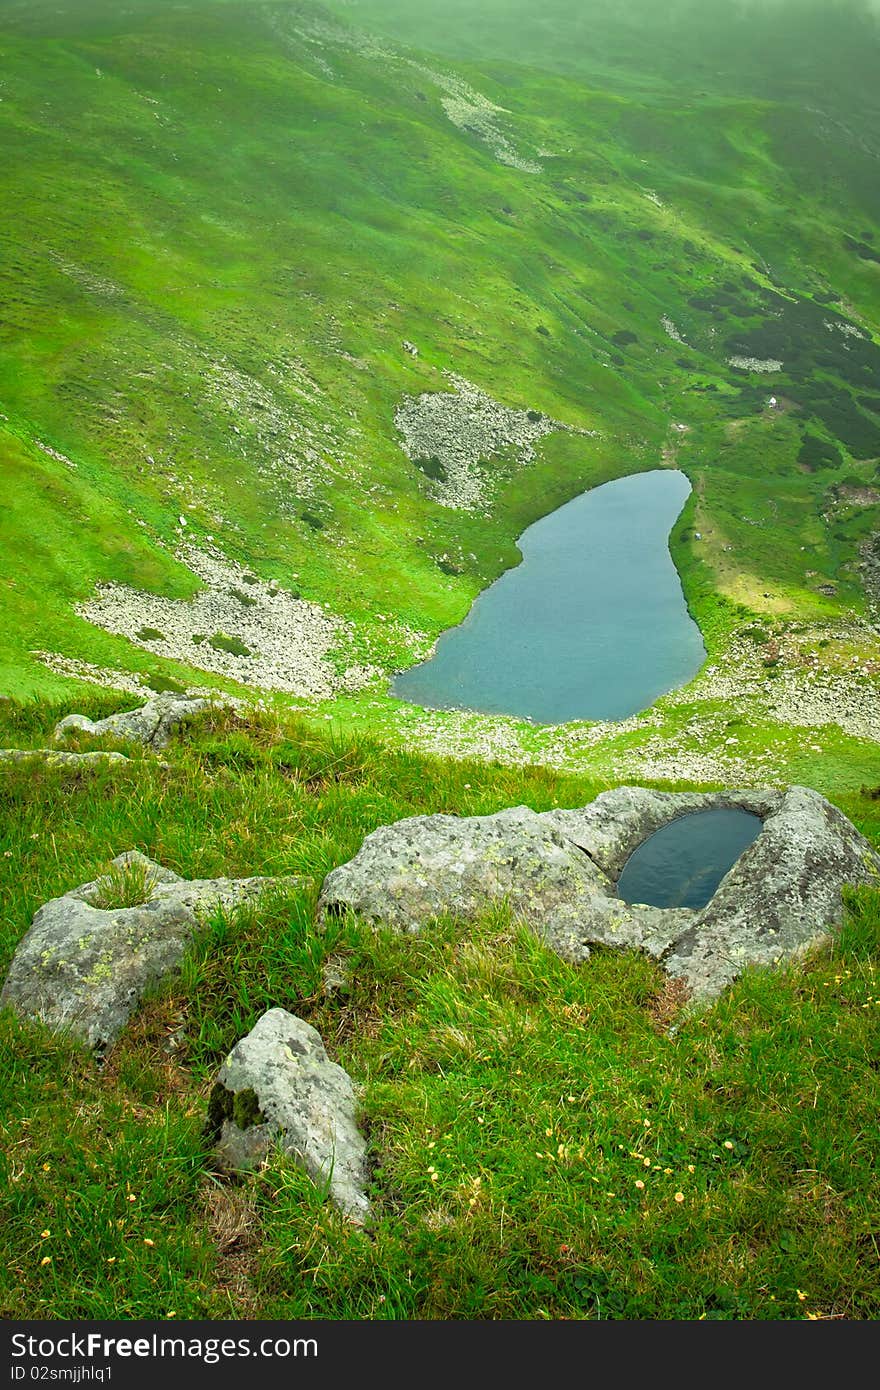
<point x="233" y="1228"/>
<point x="667" y="1004"/>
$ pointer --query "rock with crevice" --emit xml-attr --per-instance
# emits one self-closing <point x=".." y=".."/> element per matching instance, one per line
<point x="617" y="822"/>
<point x="558" y="872"/>
<point x="782" y="897"/>
<point x="85" y="963"/>
<point x="151" y="724"/>
<point x="279" y="1089"/>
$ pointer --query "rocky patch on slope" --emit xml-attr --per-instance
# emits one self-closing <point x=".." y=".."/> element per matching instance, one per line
<point x="238" y="626"/>
<point x="56" y="757"/>
<point x="450" y="436"/>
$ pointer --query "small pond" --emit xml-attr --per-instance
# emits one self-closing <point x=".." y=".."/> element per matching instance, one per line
<point x="592" y="625"/>
<point x="682" y="864"/>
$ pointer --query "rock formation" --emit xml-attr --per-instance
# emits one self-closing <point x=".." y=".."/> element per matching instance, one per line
<point x="151" y="724"/>
<point x="558" y="872"/>
<point x="85" y="963"/>
<point x="278" y="1087"/>
<point x="56" y="757"/>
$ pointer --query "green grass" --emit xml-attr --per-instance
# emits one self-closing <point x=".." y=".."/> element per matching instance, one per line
<point x="212" y="303"/>
<point x="530" y="1123"/>
<point x="124" y="885"/>
<point x="203" y="317"/>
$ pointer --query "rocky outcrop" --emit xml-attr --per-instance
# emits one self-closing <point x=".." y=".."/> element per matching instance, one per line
<point x="85" y="962"/>
<point x="558" y="872"/>
<point x="429" y="866"/>
<point x="151" y="724"/>
<point x="451" y="434"/>
<point x="236" y="626"/>
<point x="278" y="1088"/>
<point x="782" y="897"/>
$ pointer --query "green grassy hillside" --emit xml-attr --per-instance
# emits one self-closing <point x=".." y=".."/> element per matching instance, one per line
<point x="224" y="221"/>
<point x="546" y="1140"/>
<point x="239" y="243"/>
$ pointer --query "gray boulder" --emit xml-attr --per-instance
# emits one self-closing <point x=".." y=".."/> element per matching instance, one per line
<point x="56" y="757"/>
<point x="278" y="1087"/>
<point x="151" y="724"/>
<point x="782" y="896"/>
<point x="428" y="866"/>
<point x="558" y="872"/>
<point x="83" y="967"/>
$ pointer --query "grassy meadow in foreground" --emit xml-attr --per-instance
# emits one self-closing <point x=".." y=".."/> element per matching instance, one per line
<point x="546" y="1140"/>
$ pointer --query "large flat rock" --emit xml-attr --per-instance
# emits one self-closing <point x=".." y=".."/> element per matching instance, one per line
<point x="558" y="872"/>
<point x="83" y="968"/>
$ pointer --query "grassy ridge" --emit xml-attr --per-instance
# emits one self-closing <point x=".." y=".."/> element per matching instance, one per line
<point x="210" y="321"/>
<point x="222" y="221"/>
<point x="542" y="1146"/>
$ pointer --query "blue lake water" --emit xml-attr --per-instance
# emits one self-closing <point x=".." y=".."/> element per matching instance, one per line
<point x="592" y="625"/>
<point x="682" y="864"/>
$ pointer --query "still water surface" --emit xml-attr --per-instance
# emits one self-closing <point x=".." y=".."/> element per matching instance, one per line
<point x="682" y="864"/>
<point x="592" y="625"/>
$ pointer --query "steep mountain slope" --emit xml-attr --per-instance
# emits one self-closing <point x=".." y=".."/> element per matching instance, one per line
<point x="242" y="239"/>
<point x="299" y="328"/>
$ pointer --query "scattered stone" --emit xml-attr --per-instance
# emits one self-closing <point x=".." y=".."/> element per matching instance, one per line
<point x="869" y="569"/>
<point x="54" y="757"/>
<point x="335" y="977"/>
<point x="83" y="968"/>
<point x="456" y="432"/>
<point x="278" y="1087"/>
<point x="104" y="676"/>
<point x="756" y="364"/>
<point x="430" y="866"/>
<point x="151" y="724"/>
<point x="780" y="899"/>
<point x="802" y="693"/>
<point x="558" y="871"/>
<point x="274" y="640"/>
<point x="474" y="114"/>
<point x="671" y="331"/>
<point x="55" y="454"/>
<point x="465" y="107"/>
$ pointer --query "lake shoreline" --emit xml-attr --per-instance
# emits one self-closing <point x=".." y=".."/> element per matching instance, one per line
<point x="551" y="640"/>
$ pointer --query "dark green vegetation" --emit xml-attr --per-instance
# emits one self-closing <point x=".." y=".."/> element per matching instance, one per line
<point x="542" y="1146"/>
